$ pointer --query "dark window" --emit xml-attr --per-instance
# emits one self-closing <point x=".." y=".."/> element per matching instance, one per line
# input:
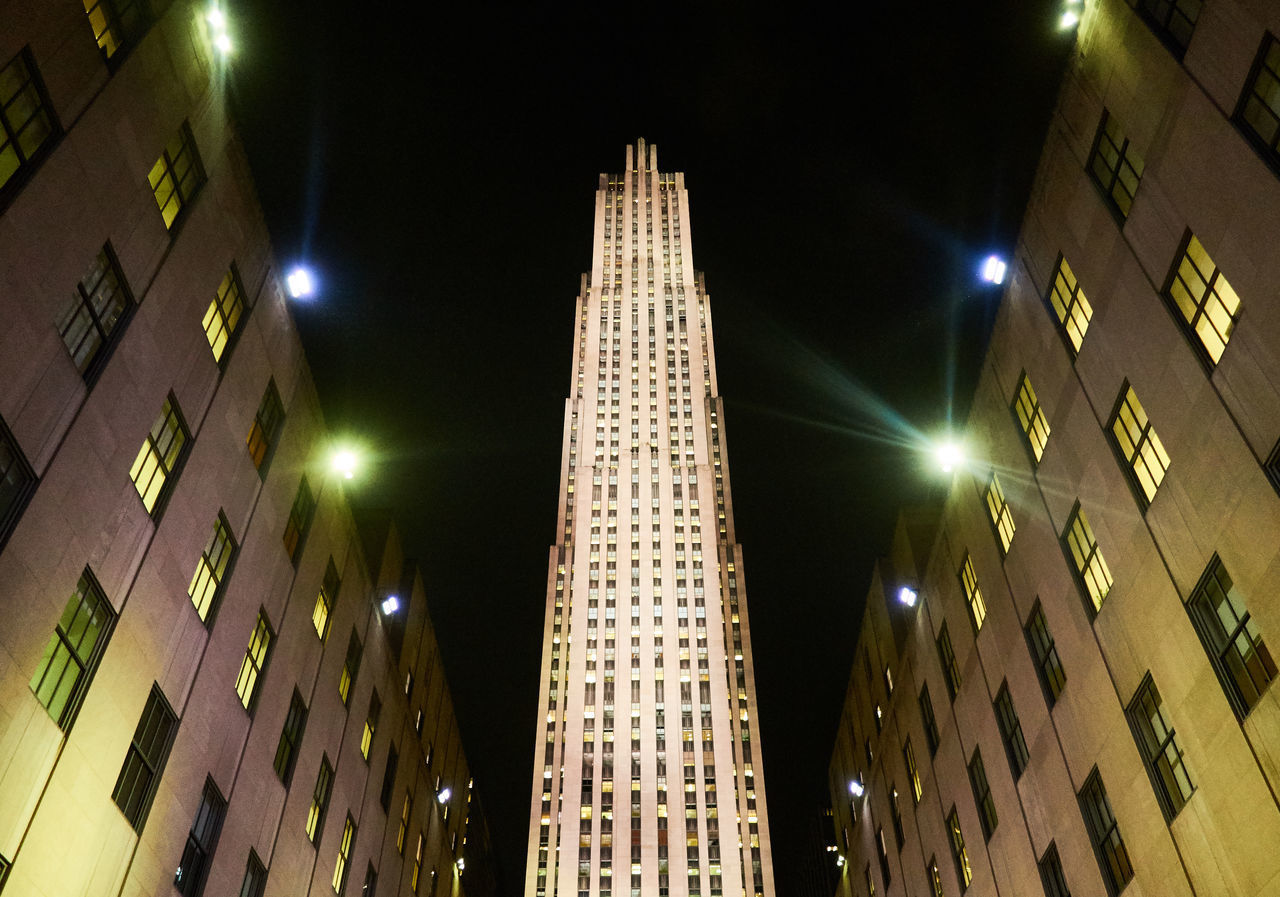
<point x="1271" y="468"/>
<point x="982" y="795"/>
<point x="1173" y="21"/>
<point x="931" y="735"/>
<point x="389" y="777"/>
<point x="221" y="320"/>
<point x="897" y="815"/>
<point x="1160" y="750"/>
<point x="117" y="26"/>
<point x="1011" y="731"/>
<point x="71" y="657"/>
<point x="160" y="459"/>
<point x="96" y="317"/>
<point x="883" y="854"/>
<point x="144" y="762"/>
<point x="1070" y="306"/>
<point x="370" y="725"/>
<point x="1258" y="112"/>
<point x="290" y="737"/>
<point x="266" y="428"/>
<point x="1115" y="167"/>
<point x="319" y="800"/>
<point x="1232" y="639"/>
<point x="1052" y="677"/>
<point x="255" y="877"/>
<point x="1204" y="304"/>
<point x="344" y="855"/>
<point x="370" y="882"/>
<point x="176" y="176"/>
<point x="1104" y="832"/>
<point x="1051" y="876"/>
<point x="201" y="843"/>
<point x="255" y="661"/>
<point x="27" y="125"/>
<point x="1091" y="570"/>
<point x="17" y="482"/>
<point x="958" y="853"/>
<point x="350" y="667"/>
<point x="212" y="569"/>
<point x="295" y="531"/>
<point x="950" y="669"/>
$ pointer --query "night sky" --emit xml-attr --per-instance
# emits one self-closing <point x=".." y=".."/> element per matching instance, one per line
<point x="846" y="175"/>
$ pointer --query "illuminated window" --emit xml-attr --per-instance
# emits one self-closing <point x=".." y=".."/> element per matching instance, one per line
<point x="27" y="125"/>
<point x="417" y="866"/>
<point x="935" y="880"/>
<point x="350" y="667"/>
<point x="1070" y="305"/>
<point x="117" y="25"/>
<point x="1011" y="732"/>
<point x="255" y="661"/>
<point x="201" y="842"/>
<point x="403" y="833"/>
<point x="1031" y="417"/>
<point x="1091" y="569"/>
<point x="1104" y="832"/>
<point x="958" y="853"/>
<point x="255" y="877"/>
<point x="1258" y="112"/>
<point x="344" y="855"/>
<point x="1051" y="875"/>
<point x="1205" y="303"/>
<point x="982" y="795"/>
<point x="950" y="668"/>
<point x="324" y="601"/>
<point x="972" y="595"/>
<point x="145" y="759"/>
<point x="290" y="737"/>
<point x="94" y="319"/>
<point x="1136" y="441"/>
<point x="319" y="800"/>
<point x="370" y="725"/>
<point x="266" y="428"/>
<point x="295" y="531"/>
<point x="1232" y="639"/>
<point x="1115" y="167"/>
<point x="222" y="318"/>
<point x="176" y="176"/>
<point x="930" y="723"/>
<point x="17" y="482"/>
<point x="1052" y="677"/>
<point x="211" y="570"/>
<point x="71" y="657"/>
<point x="1158" y="744"/>
<point x="1001" y="515"/>
<point x="162" y="453"/>
<point x="913" y="772"/>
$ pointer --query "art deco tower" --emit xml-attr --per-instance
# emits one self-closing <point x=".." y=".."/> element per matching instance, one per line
<point x="647" y="772"/>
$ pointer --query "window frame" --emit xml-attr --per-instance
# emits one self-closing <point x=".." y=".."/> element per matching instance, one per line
<point x="127" y="37"/>
<point x="202" y="845"/>
<point x="1269" y="151"/>
<point x="1144" y="710"/>
<point x="1043" y="654"/>
<point x="172" y="470"/>
<point x="1127" y="414"/>
<point x="1068" y="306"/>
<point x="1093" y="603"/>
<point x="207" y="570"/>
<point x="28" y="163"/>
<point x="185" y="140"/>
<point x="108" y="340"/>
<point x="1161" y="30"/>
<point x="1036" y="421"/>
<point x="973" y="599"/>
<point x="1010" y="726"/>
<point x="255" y="876"/>
<point x="913" y="772"/>
<point x="988" y="818"/>
<point x="23" y="476"/>
<point x="1199" y="348"/>
<point x="152" y="765"/>
<point x="1001" y="516"/>
<point x="261" y="442"/>
<point x="1052" y="876"/>
<point x="87" y="585"/>
<point x="229" y="322"/>
<point x="286" y="759"/>
<point x="301" y="515"/>
<point x="350" y="668"/>
<point x="345" y="848"/>
<point x="959" y="853"/>
<point x="326" y="601"/>
<point x="320" y="796"/>
<point x="932" y="737"/>
<point x="1101" y="823"/>
<point x="1123" y="159"/>
<point x="250" y="702"/>
<point x="950" y="665"/>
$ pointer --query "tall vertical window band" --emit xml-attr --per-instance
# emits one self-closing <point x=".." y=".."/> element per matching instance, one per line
<point x="165" y="448"/>
<point x="964" y="871"/>
<point x="1258" y="112"/>
<point x="1173" y="21"/>
<point x="117" y="25"/>
<point x="71" y="657"/>
<point x="1139" y="446"/>
<point x="176" y="177"/>
<point x="1070" y="305"/>
<point x="27" y="124"/>
<point x="295" y="723"/>
<point x="324" y="601"/>
<point x="320" y="800"/>
<point x="212" y="568"/>
<point x="295" y="530"/>
<point x="144" y="762"/>
<point x="255" y="661"/>
<point x="947" y="657"/>
<point x="1115" y="166"/>
<point x="1104" y="832"/>
<point x="1205" y="304"/>
<point x="972" y="595"/>
<point x="1001" y="515"/>
<point x="1052" y="676"/>
<point x="1161" y="753"/>
<point x="222" y="319"/>
<point x="1026" y="407"/>
<point x="982" y="795"/>
<point x="17" y="483"/>
<point x="1231" y="637"/>
<point x="94" y="320"/>
<point x="1011" y="732"/>
<point x="265" y="431"/>
<point x="193" y="869"/>
<point x="1091" y="569"/>
<point x="344" y="855"/>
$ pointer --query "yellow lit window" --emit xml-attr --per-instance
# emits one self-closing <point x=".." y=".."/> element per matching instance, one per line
<point x="223" y="315"/>
<point x="973" y="594"/>
<point x="1031" y="417"/>
<point x="324" y="601"/>
<point x="212" y="568"/>
<point x="116" y="23"/>
<point x="370" y="725"/>
<point x="176" y="176"/>
<point x="165" y="446"/>
<point x="25" y="125"/>
<point x="404" y="823"/>
<point x="255" y="659"/>
<point x="1001" y="516"/>
<point x="344" y="855"/>
<point x="1090" y="566"/>
<point x="1138" y="444"/>
<point x="958" y="849"/>
<point x="1070" y="305"/>
<point x="1207" y="303"/>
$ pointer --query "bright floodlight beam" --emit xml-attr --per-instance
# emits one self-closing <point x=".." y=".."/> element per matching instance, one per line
<point x="993" y="270"/>
<point x="390" y="604"/>
<point x="908" y="596"/>
<point x="344" y="462"/>
<point x="855" y="788"/>
<point x="1069" y="20"/>
<point x="444" y="795"/>
<point x="949" y="456"/>
<point x="300" y="283"/>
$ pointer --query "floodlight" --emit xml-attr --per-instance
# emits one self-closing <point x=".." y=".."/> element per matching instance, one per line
<point x="993" y="270"/>
<point x="908" y="596"/>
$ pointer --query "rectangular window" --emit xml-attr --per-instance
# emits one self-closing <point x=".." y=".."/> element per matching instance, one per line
<point x="266" y="428"/>
<point x="913" y="772"/>
<point x="1070" y="305"/>
<point x="958" y="853"/>
<point x="117" y="26"/>
<point x="1173" y="21"/>
<point x="1051" y="875"/>
<point x="324" y="601"/>
<point x="201" y="842"/>
<point x="935" y="880"/>
<point x="255" y="877"/>
<point x="370" y="725"/>
<point x="1104" y="832"/>
<point x="350" y="667"/>
<point x="389" y="777"/>
<point x="930" y="723"/>
<point x="212" y="569"/>
<point x="4" y="871"/>
<point x="144" y="761"/>
<point x="1091" y="570"/>
<point x="295" y="531"/>
<point x="1115" y="166"/>
<point x="71" y="657"/>
<point x="1158" y="744"/>
<point x="896" y="812"/>
<point x="1031" y="418"/>
<point x="17" y="482"/>
<point x="1258" y="112"/>
<point x="982" y="798"/>
<point x="27" y="125"/>
<point x="370" y="882"/>
<point x="1001" y="515"/>
<point x="1204" y="303"/>
<point x="222" y="318"/>
<point x="1135" y="439"/>
<point x="1052" y="677"/>
<point x="290" y="737"/>
<point x="176" y="176"/>
<point x="1232" y="639"/>
<point x="94" y="319"/>
<point x="972" y="596"/>
<point x="417" y="866"/>
<point x="255" y="661"/>
<point x="883" y="854"/>
<point x="319" y="800"/>
<point x="950" y="669"/>
<point x="403" y="833"/>
<point x="1011" y="732"/>
<point x="155" y="470"/>
<point x="344" y="855"/>
<point x="871" y="882"/>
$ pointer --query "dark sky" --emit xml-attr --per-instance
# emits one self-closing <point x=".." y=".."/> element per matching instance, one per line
<point x="846" y="176"/>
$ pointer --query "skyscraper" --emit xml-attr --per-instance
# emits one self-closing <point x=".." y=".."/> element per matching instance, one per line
<point x="647" y="772"/>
